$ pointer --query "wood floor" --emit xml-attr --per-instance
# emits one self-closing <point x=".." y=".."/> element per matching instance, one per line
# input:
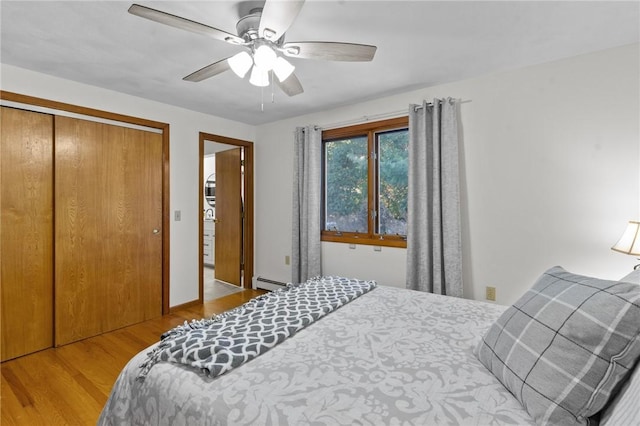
<point x="69" y="385"/>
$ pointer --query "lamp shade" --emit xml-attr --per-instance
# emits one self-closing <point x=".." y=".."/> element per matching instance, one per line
<point x="259" y="77"/>
<point x="282" y="68"/>
<point x="629" y="242"/>
<point x="240" y="64"/>
<point x="264" y="57"/>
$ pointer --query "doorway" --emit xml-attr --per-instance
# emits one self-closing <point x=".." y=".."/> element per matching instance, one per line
<point x="226" y="225"/>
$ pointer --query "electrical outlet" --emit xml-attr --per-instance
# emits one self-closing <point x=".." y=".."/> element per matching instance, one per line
<point x="491" y="293"/>
<point x="287" y="260"/>
<point x="352" y="246"/>
<point x="377" y="248"/>
<point x="177" y="215"/>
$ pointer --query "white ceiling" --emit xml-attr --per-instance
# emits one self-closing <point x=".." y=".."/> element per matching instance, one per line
<point x="420" y="44"/>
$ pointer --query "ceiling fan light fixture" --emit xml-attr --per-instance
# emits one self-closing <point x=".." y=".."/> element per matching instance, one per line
<point x="282" y="69"/>
<point x="240" y="64"/>
<point x="262" y="33"/>
<point x="264" y="57"/>
<point x="259" y="76"/>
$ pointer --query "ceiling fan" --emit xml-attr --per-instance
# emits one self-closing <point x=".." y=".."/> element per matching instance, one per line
<point x="262" y="34"/>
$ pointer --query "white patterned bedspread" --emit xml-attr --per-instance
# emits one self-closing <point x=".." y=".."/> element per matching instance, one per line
<point x="391" y="357"/>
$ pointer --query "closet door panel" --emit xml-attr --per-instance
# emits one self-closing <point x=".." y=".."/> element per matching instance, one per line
<point x="108" y="204"/>
<point x="78" y="213"/>
<point x="136" y="217"/>
<point x="26" y="231"/>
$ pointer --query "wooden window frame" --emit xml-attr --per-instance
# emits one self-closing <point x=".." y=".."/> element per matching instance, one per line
<point x="369" y="130"/>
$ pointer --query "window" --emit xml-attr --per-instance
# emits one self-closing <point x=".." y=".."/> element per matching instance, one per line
<point x="365" y="174"/>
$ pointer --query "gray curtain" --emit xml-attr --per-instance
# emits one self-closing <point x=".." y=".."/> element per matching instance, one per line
<point x="307" y="162"/>
<point x="434" y="249"/>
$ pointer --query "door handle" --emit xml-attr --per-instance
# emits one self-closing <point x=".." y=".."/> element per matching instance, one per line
<point x="216" y="220"/>
<point x="156" y="231"/>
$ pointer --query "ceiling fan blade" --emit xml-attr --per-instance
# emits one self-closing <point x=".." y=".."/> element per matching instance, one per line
<point x="291" y="86"/>
<point x="277" y="17"/>
<point x="183" y="24"/>
<point x="208" y="71"/>
<point x="329" y="51"/>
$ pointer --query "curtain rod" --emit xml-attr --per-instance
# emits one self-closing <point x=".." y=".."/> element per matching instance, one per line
<point x="375" y="117"/>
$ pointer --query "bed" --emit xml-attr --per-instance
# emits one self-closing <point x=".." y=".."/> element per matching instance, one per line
<point x="388" y="357"/>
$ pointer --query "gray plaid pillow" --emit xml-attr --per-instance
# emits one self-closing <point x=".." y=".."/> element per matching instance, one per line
<point x="564" y="346"/>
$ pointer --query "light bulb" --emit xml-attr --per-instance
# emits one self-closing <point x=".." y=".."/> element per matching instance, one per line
<point x="282" y="68"/>
<point x="240" y="63"/>
<point x="259" y="77"/>
<point x="264" y="57"/>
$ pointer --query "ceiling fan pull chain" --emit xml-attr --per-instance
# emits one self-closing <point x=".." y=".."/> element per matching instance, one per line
<point x="273" y="96"/>
<point x="262" y="99"/>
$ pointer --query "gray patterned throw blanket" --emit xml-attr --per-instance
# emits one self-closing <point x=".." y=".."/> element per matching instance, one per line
<point x="217" y="345"/>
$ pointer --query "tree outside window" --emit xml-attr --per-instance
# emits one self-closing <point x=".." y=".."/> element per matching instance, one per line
<point x="365" y="178"/>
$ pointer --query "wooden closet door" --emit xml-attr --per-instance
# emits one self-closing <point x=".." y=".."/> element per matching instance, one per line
<point x="26" y="231"/>
<point x="108" y="217"/>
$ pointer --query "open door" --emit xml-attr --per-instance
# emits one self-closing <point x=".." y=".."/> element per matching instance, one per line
<point x="228" y="223"/>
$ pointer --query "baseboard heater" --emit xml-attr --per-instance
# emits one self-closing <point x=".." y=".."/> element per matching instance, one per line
<point x="267" y="284"/>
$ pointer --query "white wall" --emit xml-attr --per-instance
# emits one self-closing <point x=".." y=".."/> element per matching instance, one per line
<point x="551" y="160"/>
<point x="185" y="126"/>
<point x="551" y="175"/>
